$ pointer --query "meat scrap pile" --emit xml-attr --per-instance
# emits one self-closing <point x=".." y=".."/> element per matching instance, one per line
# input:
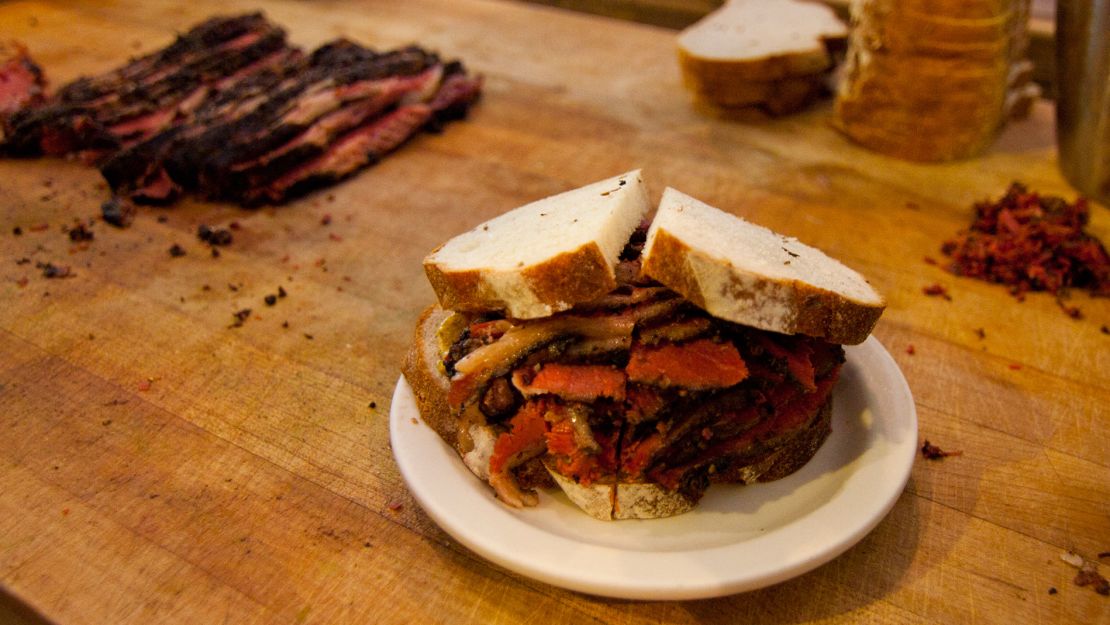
<point x="230" y="111"/>
<point x="1031" y="243"/>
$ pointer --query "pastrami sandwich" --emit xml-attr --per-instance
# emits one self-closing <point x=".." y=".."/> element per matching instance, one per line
<point x="632" y="367"/>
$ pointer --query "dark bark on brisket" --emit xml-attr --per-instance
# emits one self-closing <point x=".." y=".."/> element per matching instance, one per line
<point x="231" y="111"/>
<point x="199" y="40"/>
<point x="139" y="109"/>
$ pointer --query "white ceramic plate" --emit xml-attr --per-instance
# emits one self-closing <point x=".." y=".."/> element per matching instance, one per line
<point x="738" y="538"/>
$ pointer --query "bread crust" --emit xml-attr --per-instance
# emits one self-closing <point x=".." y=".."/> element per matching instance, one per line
<point x="422" y="369"/>
<point x="564" y="247"/>
<point x="702" y="70"/>
<point x="557" y="284"/>
<point x="809" y="310"/>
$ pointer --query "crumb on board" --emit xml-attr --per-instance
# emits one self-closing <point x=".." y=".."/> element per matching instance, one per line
<point x="1088" y="574"/>
<point x="932" y="452"/>
<point x="937" y="290"/>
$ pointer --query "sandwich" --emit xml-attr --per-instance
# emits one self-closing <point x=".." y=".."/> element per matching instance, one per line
<point x="632" y="363"/>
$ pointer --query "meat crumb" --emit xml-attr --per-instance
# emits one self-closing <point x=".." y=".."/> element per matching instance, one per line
<point x="50" y="270"/>
<point x="281" y="292"/>
<point x="214" y="236"/>
<point x="119" y="212"/>
<point x="981" y="333"/>
<point x="1072" y="311"/>
<point x="285" y="324"/>
<point x="395" y="506"/>
<point x="270" y="299"/>
<point x="932" y="452"/>
<point x="40" y="227"/>
<point x="145" y="385"/>
<point x="1052" y="590"/>
<point x="937" y="290"/>
<point x="1031" y="242"/>
<point x="80" y="233"/>
<point x="1104" y="330"/>
<point x="177" y="251"/>
<point x="22" y="282"/>
<point x="334" y="237"/>
<point x="1089" y="576"/>
<point x="308" y="336"/>
<point x="929" y="260"/>
<point x="17" y="231"/>
<point x="910" y="350"/>
<point x="325" y="220"/>
<point x="240" y="317"/>
<point x="27" y="261"/>
<point x="1015" y="366"/>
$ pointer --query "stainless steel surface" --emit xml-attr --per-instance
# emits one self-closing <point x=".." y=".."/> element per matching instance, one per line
<point x="1083" y="94"/>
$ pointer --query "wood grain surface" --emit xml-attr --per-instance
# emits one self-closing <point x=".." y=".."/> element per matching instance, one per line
<point x="159" y="466"/>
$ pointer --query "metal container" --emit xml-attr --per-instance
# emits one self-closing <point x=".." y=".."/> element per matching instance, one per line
<point x="1083" y="95"/>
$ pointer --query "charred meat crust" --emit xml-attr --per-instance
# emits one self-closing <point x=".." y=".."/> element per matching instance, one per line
<point x="231" y="111"/>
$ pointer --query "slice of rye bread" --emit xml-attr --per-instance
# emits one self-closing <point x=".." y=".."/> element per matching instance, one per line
<point x="748" y="274"/>
<point x="759" y="40"/>
<point x="543" y="257"/>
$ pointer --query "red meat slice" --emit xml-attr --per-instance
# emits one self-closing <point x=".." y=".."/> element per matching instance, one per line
<point x="697" y="365"/>
<point x="525" y="439"/>
<point x="584" y="383"/>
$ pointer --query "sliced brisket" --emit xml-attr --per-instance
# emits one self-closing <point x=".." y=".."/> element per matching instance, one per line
<point x="231" y="111"/>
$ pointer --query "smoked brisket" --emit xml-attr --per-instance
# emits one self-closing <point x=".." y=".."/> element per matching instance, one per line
<point x="231" y="111"/>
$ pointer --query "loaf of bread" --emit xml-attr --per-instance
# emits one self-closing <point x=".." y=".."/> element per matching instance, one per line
<point x="934" y="80"/>
<point x="771" y="54"/>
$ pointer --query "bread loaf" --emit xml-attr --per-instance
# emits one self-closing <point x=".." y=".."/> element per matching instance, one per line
<point x="933" y="80"/>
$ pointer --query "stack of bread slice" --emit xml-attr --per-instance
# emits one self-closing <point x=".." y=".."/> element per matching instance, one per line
<point x="934" y="80"/>
<point x="774" y="55"/>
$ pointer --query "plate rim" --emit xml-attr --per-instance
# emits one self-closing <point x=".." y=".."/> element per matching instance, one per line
<point x="692" y="578"/>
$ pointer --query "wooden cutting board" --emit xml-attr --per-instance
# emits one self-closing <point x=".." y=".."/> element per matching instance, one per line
<point x="159" y="465"/>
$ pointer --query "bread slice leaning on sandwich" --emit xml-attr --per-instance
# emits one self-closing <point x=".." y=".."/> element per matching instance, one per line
<point x="706" y="351"/>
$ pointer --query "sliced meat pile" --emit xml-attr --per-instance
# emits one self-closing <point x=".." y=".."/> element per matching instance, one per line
<point x="640" y="385"/>
<point x="1031" y="242"/>
<point x="231" y="111"/>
